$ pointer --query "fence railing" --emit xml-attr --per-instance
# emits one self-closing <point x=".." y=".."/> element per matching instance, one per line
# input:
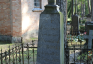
<point x="19" y="54"/>
<point x="77" y="51"/>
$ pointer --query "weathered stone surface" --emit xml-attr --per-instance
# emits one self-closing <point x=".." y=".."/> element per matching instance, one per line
<point x="86" y="23"/>
<point x="51" y="38"/>
<point x="89" y="37"/>
<point x="89" y="27"/>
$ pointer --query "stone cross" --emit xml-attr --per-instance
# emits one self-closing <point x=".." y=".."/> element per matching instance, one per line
<point x="89" y="37"/>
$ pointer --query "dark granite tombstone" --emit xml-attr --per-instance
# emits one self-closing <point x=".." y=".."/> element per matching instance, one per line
<point x="86" y="23"/>
<point x="75" y="22"/>
<point x="90" y="38"/>
<point x="89" y="34"/>
<point x="75" y="25"/>
<point x="89" y="27"/>
<point x="51" y="36"/>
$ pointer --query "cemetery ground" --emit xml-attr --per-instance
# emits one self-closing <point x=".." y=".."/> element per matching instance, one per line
<point x="5" y="45"/>
<point x="78" y="50"/>
<point x="72" y="40"/>
<point x="31" y="57"/>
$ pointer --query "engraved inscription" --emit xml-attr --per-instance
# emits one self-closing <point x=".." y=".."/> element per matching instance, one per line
<point x="52" y="47"/>
<point x="52" y="60"/>
<point x="50" y="34"/>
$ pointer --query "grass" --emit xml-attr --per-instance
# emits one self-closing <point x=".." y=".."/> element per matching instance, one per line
<point x="25" y="56"/>
<point x="34" y="38"/>
<point x="5" y="46"/>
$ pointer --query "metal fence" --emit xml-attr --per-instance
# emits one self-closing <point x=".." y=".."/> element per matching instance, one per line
<point x="77" y="51"/>
<point x="20" y="54"/>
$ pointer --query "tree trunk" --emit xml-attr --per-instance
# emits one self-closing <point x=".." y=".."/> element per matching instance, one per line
<point x="63" y="9"/>
<point x="81" y="10"/>
<point x="89" y="5"/>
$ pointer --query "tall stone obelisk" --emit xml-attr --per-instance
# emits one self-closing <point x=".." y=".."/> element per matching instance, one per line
<point x="51" y="35"/>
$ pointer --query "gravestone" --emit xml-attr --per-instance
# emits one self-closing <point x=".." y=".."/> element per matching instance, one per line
<point x="89" y="27"/>
<point x="75" y="22"/>
<point x="89" y="37"/>
<point x="75" y="25"/>
<point x="86" y="23"/>
<point x="51" y="35"/>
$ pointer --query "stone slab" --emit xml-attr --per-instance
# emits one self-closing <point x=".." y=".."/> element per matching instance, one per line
<point x="50" y="46"/>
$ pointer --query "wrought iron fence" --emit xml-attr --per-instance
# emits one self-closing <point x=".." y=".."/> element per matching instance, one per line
<point x="77" y="51"/>
<point x="20" y="54"/>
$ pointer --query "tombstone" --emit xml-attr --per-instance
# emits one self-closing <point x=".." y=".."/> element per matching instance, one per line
<point x="89" y="27"/>
<point x="75" y="22"/>
<point x="89" y="34"/>
<point x="86" y="23"/>
<point x="51" y="36"/>
<point x="89" y="37"/>
<point x="75" y="25"/>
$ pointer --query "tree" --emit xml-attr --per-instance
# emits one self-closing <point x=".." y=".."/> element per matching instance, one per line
<point x="88" y="5"/>
<point x="63" y="9"/>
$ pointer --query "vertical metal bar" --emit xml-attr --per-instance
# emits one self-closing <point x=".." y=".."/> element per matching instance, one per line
<point x="71" y="39"/>
<point x="76" y="35"/>
<point x="16" y="52"/>
<point x="67" y="50"/>
<point x="19" y="55"/>
<point x="21" y="39"/>
<point x="74" y="54"/>
<point x="33" y="51"/>
<point x="13" y="55"/>
<point x="28" y="52"/>
<point x="5" y="57"/>
<point x="22" y="53"/>
<point x="9" y="54"/>
<point x="1" y="56"/>
<point x="80" y="49"/>
<point x="87" y="54"/>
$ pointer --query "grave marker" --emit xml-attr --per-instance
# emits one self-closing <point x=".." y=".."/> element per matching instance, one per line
<point x="89" y="37"/>
<point x="51" y="35"/>
<point x="75" y="22"/>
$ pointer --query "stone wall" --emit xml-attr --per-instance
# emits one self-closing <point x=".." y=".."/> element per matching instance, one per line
<point x="19" y="18"/>
<point x="16" y="26"/>
<point x="5" y="27"/>
<point x="30" y="18"/>
<point x="10" y="20"/>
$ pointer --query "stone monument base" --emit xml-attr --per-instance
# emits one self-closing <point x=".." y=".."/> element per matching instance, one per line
<point x="10" y="39"/>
